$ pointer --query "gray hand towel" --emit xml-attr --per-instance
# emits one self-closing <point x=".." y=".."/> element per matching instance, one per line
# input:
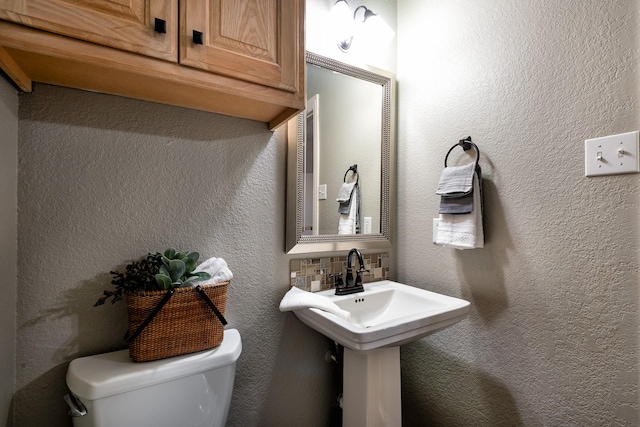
<point x="456" y="189"/>
<point x="344" y="194"/>
<point x="457" y="205"/>
<point x="456" y="181"/>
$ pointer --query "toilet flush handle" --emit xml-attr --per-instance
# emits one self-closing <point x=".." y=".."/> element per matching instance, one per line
<point x="76" y="407"/>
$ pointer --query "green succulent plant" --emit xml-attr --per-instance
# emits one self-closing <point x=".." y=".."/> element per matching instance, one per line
<point x="157" y="271"/>
<point x="177" y="269"/>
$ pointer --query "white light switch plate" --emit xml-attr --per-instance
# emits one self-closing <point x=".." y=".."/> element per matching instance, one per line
<point x="322" y="192"/>
<point x="611" y="155"/>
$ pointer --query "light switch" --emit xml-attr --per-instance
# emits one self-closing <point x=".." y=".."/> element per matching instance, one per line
<point x="322" y="192"/>
<point x="611" y="155"/>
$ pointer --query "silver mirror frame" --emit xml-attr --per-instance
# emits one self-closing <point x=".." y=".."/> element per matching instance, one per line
<point x="296" y="243"/>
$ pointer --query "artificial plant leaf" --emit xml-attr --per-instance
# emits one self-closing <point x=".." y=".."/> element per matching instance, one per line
<point x="177" y="269"/>
<point x="200" y="275"/>
<point x="190" y="261"/>
<point x="163" y="281"/>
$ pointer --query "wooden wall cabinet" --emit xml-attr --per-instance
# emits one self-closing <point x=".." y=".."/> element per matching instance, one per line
<point x="252" y="52"/>
<point x="243" y="58"/>
<point x="124" y="25"/>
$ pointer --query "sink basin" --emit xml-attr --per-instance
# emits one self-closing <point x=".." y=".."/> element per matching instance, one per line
<point x="386" y="314"/>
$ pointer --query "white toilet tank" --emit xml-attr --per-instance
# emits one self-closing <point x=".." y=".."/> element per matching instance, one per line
<point x="190" y="390"/>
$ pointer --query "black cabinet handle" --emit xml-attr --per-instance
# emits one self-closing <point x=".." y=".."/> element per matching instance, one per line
<point x="160" y="26"/>
<point x="197" y="37"/>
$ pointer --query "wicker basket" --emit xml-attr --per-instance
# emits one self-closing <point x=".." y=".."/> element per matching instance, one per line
<point x="185" y="324"/>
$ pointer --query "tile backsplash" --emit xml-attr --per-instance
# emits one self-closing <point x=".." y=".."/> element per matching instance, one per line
<point x="314" y="274"/>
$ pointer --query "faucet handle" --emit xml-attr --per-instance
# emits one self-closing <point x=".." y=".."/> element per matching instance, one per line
<point x="359" y="275"/>
<point x="338" y="283"/>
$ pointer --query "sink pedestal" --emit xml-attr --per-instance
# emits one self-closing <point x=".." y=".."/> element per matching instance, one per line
<point x="371" y="388"/>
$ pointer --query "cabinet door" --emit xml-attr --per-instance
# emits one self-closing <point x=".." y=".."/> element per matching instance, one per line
<point x="260" y="41"/>
<point x="122" y="24"/>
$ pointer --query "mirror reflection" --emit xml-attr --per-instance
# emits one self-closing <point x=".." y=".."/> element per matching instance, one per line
<point x="340" y="165"/>
<point x="347" y="113"/>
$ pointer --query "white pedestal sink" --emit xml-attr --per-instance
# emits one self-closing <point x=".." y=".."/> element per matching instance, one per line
<point x="383" y="317"/>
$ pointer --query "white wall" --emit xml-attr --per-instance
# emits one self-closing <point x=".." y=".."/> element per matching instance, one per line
<point x="552" y="337"/>
<point x="8" y="244"/>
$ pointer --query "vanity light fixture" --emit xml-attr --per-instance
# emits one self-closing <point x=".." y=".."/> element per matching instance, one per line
<point x="371" y="27"/>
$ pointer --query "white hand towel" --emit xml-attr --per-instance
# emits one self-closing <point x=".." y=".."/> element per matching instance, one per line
<point x="296" y="298"/>
<point x="217" y="268"/>
<point x="347" y="224"/>
<point x="463" y="231"/>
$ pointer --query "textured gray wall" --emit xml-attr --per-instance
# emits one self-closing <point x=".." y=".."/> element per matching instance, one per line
<point x="102" y="181"/>
<point x="8" y="243"/>
<point x="552" y="337"/>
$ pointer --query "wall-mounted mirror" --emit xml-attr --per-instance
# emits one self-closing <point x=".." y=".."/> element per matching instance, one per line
<point x="349" y="124"/>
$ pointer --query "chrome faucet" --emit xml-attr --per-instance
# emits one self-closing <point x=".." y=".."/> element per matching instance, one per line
<point x="351" y="284"/>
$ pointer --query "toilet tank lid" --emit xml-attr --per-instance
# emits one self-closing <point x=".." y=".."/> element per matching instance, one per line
<point x="102" y="375"/>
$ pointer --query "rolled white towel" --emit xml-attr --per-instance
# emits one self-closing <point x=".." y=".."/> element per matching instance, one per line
<point x="296" y="298"/>
<point x="217" y="268"/>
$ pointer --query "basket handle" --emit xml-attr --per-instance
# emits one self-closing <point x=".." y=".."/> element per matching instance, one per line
<point x="163" y="301"/>
<point x="211" y="305"/>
